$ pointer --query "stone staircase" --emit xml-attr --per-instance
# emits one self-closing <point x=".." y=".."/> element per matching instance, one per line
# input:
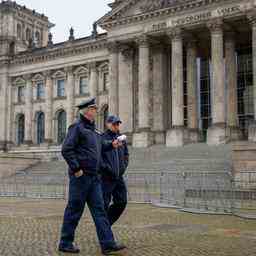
<point x="191" y="158"/>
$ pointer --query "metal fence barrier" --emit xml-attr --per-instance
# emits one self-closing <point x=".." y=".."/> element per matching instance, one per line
<point x="41" y="185"/>
<point x="196" y="192"/>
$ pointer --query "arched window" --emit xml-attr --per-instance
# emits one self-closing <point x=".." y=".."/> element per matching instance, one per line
<point x="40" y="125"/>
<point x="19" y="31"/>
<point x="20" y="129"/>
<point x="28" y="34"/>
<point x="61" y="126"/>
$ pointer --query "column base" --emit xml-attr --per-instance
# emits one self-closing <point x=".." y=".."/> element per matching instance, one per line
<point x="142" y="139"/>
<point x="28" y="143"/>
<point x="159" y="137"/>
<point x="3" y="146"/>
<point x="252" y="131"/>
<point x="194" y="135"/>
<point x="177" y="137"/>
<point x="234" y="133"/>
<point x="216" y="135"/>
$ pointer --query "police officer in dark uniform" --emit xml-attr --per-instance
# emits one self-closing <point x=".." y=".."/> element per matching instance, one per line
<point x="115" y="164"/>
<point x="82" y="151"/>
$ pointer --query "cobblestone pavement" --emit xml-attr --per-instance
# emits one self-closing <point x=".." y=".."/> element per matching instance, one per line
<point x="31" y="228"/>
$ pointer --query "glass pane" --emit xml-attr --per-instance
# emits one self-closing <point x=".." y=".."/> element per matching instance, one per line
<point x="61" y="88"/>
<point x="62" y="124"/>
<point x="83" y="85"/>
<point x="40" y="128"/>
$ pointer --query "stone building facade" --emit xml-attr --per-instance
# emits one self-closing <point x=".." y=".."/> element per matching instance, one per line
<point x="175" y="71"/>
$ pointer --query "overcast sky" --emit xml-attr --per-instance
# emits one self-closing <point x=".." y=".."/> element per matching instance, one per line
<point x="66" y="13"/>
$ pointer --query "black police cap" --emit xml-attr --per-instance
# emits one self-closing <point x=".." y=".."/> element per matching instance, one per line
<point x="87" y="104"/>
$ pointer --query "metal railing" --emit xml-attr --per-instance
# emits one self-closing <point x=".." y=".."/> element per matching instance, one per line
<point x="196" y="192"/>
<point x="39" y="185"/>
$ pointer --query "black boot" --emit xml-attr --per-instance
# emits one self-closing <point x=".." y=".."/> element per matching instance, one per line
<point x="69" y="249"/>
<point x="113" y="249"/>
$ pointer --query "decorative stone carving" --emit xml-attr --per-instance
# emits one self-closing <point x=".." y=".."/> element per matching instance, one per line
<point x="215" y="25"/>
<point x="152" y="5"/>
<point x="127" y="52"/>
<point x="175" y="34"/>
<point x="113" y="47"/>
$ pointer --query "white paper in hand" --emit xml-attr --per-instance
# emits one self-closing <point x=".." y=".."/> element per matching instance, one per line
<point x="122" y="138"/>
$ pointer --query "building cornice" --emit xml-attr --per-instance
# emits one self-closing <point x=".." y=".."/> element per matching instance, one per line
<point x="55" y="52"/>
<point x="116" y="20"/>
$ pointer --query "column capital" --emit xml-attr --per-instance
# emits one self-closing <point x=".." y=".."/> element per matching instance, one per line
<point x="215" y="25"/>
<point x="127" y="51"/>
<point x="113" y="47"/>
<point x="142" y="40"/>
<point x="175" y="34"/>
<point x="92" y="66"/>
<point x="69" y="69"/>
<point x="47" y="74"/>
<point x="251" y="16"/>
<point x="27" y="77"/>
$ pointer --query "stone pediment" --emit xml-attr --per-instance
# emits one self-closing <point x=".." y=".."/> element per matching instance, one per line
<point x="133" y="8"/>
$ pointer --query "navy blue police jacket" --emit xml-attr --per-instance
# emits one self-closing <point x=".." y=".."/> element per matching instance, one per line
<point x="115" y="161"/>
<point x="83" y="146"/>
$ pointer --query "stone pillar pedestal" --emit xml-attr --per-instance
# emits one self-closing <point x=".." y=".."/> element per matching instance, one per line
<point x="49" y="108"/>
<point x="93" y="80"/>
<point x="252" y="126"/>
<point x="233" y="131"/>
<point x="144" y="137"/>
<point x="28" y="111"/>
<point x="193" y="123"/>
<point x="113" y="75"/>
<point x="3" y="107"/>
<point x="216" y="134"/>
<point x="125" y="90"/>
<point x="176" y="136"/>
<point x="70" y="96"/>
<point x="160" y="93"/>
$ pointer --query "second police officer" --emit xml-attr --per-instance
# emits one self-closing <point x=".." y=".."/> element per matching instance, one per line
<point x="115" y="164"/>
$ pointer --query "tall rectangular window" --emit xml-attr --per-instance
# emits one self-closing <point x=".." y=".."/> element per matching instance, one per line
<point x="83" y="85"/>
<point x="21" y="94"/>
<point x="61" y="88"/>
<point x="40" y="91"/>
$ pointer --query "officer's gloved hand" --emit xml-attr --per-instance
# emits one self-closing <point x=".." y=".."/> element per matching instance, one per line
<point x="115" y="144"/>
<point x="79" y="174"/>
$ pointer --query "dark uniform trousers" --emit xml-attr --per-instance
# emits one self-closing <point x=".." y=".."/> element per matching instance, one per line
<point x="86" y="189"/>
<point x="115" y="191"/>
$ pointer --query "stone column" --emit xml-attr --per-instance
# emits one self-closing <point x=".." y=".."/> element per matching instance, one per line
<point x="113" y="76"/>
<point x="177" y="135"/>
<point x="160" y="92"/>
<point x="3" y="106"/>
<point x="231" y="77"/>
<point x="93" y="80"/>
<point x="193" y="124"/>
<point x="216" y="134"/>
<point x="252" y="127"/>
<point x="70" y="96"/>
<point x="28" y="110"/>
<point x="143" y="138"/>
<point x="10" y="120"/>
<point x="49" y="108"/>
<point x="126" y="88"/>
